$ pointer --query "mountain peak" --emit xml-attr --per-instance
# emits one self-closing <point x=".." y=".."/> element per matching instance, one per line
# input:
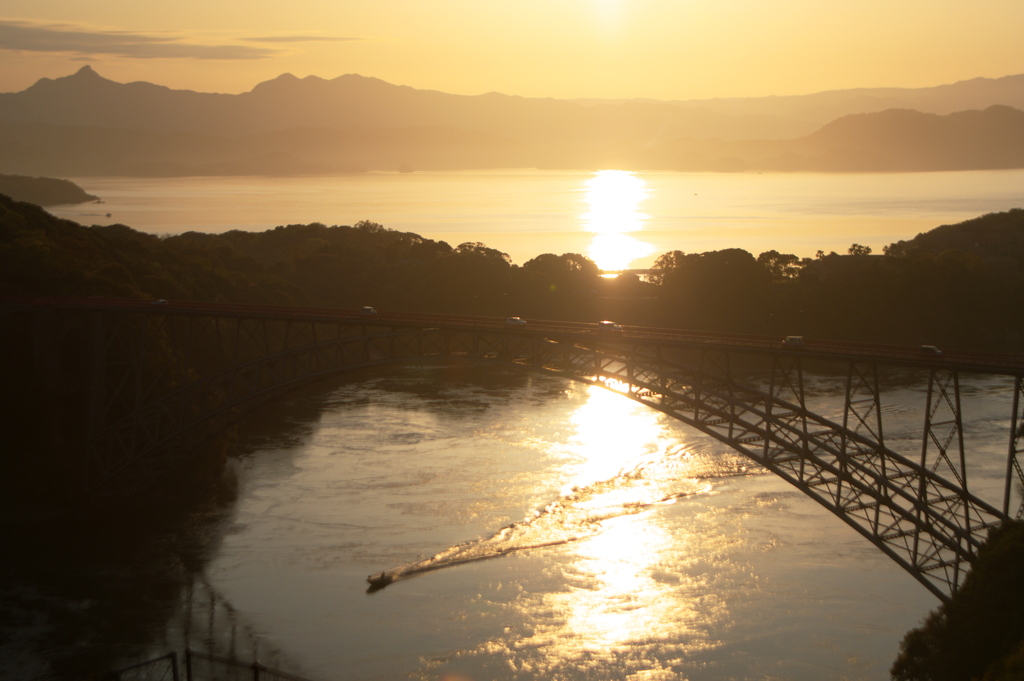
<point x="285" y="80"/>
<point x="86" y="72"/>
<point x="85" y="77"/>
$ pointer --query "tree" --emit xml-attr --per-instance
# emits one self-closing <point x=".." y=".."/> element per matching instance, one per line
<point x="475" y="248"/>
<point x="980" y="632"/>
<point x="900" y="249"/>
<point x="781" y="266"/>
<point x="665" y="265"/>
<point x="718" y="290"/>
<point x="857" y="249"/>
<point x="561" y="265"/>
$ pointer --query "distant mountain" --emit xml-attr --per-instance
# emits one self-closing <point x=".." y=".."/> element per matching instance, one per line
<point x="897" y="140"/>
<point x="350" y="101"/>
<point x="822" y="107"/>
<point x="85" y="124"/>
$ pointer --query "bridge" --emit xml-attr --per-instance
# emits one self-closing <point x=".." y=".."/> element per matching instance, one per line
<point x="134" y="386"/>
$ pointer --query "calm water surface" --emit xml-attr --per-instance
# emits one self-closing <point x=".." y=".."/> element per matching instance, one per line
<point x="617" y="218"/>
<point x="546" y="529"/>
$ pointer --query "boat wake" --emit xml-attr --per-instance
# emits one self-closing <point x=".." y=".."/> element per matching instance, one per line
<point x="580" y="512"/>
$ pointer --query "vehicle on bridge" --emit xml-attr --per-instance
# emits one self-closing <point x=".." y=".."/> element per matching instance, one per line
<point x="793" y="343"/>
<point x="609" y="328"/>
<point x="930" y="351"/>
<point x="515" y="321"/>
<point x="367" y="311"/>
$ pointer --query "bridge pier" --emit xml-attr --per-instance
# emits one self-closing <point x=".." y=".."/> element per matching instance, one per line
<point x="53" y="374"/>
<point x="1013" y="463"/>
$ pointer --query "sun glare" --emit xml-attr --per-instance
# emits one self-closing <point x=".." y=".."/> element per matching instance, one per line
<point x="614" y="198"/>
<point x="621" y="577"/>
<point x="610" y="431"/>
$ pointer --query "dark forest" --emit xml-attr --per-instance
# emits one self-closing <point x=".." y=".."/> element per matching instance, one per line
<point x="957" y="286"/>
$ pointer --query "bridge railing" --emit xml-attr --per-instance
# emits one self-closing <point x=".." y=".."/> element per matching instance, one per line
<point x="812" y="346"/>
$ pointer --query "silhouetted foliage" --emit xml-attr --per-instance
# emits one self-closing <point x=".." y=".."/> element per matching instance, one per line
<point x="956" y="286"/>
<point x="718" y="290"/>
<point x="780" y="266"/>
<point x="979" y="634"/>
<point x="998" y="238"/>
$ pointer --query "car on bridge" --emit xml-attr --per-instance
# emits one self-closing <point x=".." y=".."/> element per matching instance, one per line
<point x="606" y="327"/>
<point x="367" y="311"/>
<point x="515" y="321"/>
<point x="930" y="351"/>
<point x="793" y="343"/>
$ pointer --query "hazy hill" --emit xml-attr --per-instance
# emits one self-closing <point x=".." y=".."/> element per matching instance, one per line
<point x="43" y="191"/>
<point x="897" y="140"/>
<point x="84" y="124"/>
<point x="911" y="140"/>
<point x="822" y="107"/>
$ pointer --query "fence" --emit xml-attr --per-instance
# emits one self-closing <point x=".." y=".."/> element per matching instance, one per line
<point x="200" y="667"/>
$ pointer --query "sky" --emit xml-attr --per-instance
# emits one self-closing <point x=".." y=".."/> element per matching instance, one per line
<point x="661" y="49"/>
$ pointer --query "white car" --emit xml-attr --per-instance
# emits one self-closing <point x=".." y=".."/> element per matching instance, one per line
<point x="367" y="311"/>
<point x="515" y="321"/>
<point x="609" y="328"/>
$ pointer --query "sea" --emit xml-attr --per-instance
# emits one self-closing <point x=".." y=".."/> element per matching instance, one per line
<point x="617" y="218"/>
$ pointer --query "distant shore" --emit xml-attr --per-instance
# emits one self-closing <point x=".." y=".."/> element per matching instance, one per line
<point x="44" y="191"/>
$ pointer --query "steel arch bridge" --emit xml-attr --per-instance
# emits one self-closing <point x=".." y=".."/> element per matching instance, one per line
<point x="148" y="381"/>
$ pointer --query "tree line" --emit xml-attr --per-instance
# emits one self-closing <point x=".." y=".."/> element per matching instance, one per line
<point x="958" y="286"/>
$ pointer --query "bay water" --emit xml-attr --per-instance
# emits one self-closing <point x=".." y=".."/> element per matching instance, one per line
<point x="620" y="219"/>
<point x="538" y="528"/>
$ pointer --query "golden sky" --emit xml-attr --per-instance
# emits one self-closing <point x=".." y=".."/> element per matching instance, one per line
<point x="663" y="49"/>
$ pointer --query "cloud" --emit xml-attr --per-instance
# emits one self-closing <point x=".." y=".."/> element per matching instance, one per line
<point x="300" y="39"/>
<point x="24" y="36"/>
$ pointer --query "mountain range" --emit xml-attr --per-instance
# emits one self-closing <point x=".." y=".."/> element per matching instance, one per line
<point x="84" y="124"/>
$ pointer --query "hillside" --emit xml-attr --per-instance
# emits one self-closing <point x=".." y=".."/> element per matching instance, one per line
<point x="996" y="238"/>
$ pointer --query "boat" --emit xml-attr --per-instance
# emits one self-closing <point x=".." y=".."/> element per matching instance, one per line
<point x="379" y="581"/>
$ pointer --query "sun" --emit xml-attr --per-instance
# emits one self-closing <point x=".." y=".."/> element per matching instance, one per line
<point x="613" y="198"/>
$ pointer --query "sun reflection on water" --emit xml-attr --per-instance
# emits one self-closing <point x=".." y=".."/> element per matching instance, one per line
<point x="622" y="589"/>
<point x="614" y="198"/>
<point x="611" y="430"/>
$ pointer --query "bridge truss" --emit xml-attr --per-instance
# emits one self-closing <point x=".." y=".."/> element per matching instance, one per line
<point x="166" y="379"/>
